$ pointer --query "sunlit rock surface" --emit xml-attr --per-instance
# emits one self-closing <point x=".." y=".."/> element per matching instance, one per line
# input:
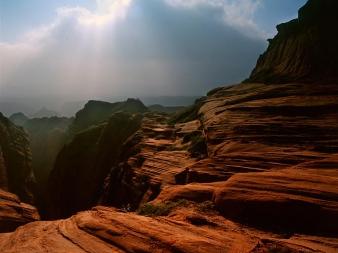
<point x="109" y="230"/>
<point x="14" y="213"/>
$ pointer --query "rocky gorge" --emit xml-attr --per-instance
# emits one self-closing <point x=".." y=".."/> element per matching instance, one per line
<point x="251" y="167"/>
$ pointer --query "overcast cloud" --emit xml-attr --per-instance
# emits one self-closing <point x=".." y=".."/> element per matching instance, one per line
<point x="135" y="48"/>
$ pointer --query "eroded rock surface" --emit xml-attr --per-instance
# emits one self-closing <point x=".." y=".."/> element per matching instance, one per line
<point x="108" y="230"/>
<point x="14" y="213"/>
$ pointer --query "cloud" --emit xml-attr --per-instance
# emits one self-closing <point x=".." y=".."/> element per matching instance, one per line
<point x="107" y="11"/>
<point x="237" y="13"/>
<point x="133" y="48"/>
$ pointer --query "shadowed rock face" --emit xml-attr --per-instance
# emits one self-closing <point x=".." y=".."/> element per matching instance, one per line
<point x="16" y="176"/>
<point x="47" y="137"/>
<point x="16" y="173"/>
<point x="82" y="165"/>
<point x="305" y="49"/>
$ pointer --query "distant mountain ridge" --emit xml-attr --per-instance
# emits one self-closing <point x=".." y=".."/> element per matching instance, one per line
<point x="165" y="109"/>
<point x="44" y="113"/>
<point x="95" y="112"/>
<point x="18" y="118"/>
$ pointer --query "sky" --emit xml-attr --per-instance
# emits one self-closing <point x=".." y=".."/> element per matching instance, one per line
<point x="81" y="49"/>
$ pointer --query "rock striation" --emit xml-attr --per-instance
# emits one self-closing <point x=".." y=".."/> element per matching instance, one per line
<point x="264" y="136"/>
<point x="14" y="213"/>
<point x="151" y="159"/>
<point x="108" y="230"/>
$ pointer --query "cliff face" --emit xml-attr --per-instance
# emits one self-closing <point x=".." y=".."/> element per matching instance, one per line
<point x="94" y="143"/>
<point x="47" y="137"/>
<point x="15" y="160"/>
<point x="304" y="50"/>
<point x="16" y="176"/>
<point x="82" y="165"/>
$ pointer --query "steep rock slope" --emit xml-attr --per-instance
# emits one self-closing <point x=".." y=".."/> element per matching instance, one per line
<point x="305" y="49"/>
<point x="16" y="173"/>
<point x="47" y="137"/>
<point x="82" y="165"/>
<point x="15" y="176"/>
<point x="91" y="138"/>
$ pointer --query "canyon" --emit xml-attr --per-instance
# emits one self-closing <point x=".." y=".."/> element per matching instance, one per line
<point x="251" y="167"/>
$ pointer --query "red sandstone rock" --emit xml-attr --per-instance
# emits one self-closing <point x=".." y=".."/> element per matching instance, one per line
<point x="108" y="230"/>
<point x="14" y="213"/>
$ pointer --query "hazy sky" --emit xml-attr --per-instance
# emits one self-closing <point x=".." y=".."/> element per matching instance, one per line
<point x="86" y="48"/>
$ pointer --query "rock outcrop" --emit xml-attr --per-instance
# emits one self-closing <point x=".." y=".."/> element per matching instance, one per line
<point x="157" y="155"/>
<point x="304" y="50"/>
<point x="14" y="213"/>
<point x="16" y="174"/>
<point x="261" y="137"/>
<point x="107" y="230"/>
<point x="293" y="200"/>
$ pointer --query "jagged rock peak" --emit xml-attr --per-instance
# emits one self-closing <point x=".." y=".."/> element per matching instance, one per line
<point x="304" y="50"/>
